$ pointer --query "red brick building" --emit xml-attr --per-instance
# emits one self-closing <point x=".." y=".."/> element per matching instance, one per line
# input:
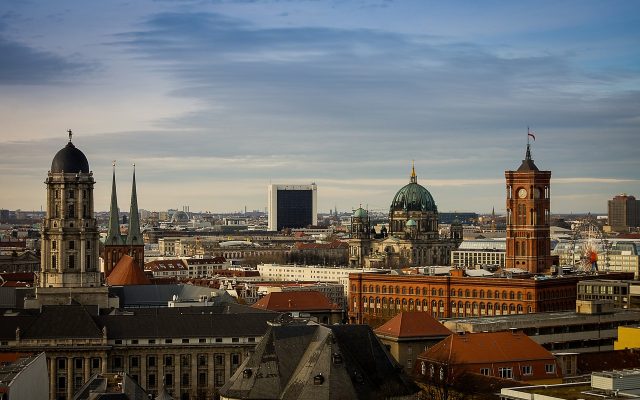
<point x="376" y="298"/>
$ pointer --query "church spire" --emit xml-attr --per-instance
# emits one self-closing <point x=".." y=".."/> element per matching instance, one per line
<point x="134" y="237"/>
<point x="113" y="236"/>
<point x="414" y="178"/>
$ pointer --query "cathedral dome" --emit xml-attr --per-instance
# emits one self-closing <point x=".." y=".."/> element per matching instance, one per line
<point x="413" y="197"/>
<point x="70" y="160"/>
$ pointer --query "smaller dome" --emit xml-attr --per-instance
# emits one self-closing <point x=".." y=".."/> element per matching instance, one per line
<point x="411" y="223"/>
<point x="360" y="213"/>
<point x="180" y="217"/>
<point x="70" y="160"/>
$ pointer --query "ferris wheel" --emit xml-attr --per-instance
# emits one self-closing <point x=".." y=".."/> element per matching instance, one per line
<point x="590" y="247"/>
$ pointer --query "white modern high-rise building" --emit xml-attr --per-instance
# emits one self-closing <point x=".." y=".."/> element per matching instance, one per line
<point x="292" y="206"/>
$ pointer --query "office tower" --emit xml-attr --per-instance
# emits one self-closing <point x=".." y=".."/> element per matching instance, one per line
<point x="292" y="206"/>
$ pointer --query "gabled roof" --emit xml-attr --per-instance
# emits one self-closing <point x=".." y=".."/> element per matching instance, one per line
<point x="316" y="362"/>
<point x="309" y="300"/>
<point x="486" y="347"/>
<point x="411" y="325"/>
<point x="126" y="273"/>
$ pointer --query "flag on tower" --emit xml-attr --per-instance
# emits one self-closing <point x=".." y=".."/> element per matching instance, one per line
<point x="529" y="133"/>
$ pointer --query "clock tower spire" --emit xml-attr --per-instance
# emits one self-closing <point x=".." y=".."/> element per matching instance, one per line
<point x="528" y="215"/>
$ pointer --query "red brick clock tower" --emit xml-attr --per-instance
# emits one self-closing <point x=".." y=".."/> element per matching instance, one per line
<point x="528" y="242"/>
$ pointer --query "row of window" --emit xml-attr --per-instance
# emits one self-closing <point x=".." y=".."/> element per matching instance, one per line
<point x="169" y="341"/>
<point x="71" y="194"/>
<point x="441" y="292"/>
<point x="457" y="308"/>
<point x="117" y="362"/>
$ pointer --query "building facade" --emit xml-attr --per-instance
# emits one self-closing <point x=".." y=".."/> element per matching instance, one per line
<point x="412" y="238"/>
<point x="191" y="351"/>
<point x="624" y="213"/>
<point x="375" y="298"/>
<point x="292" y="206"/>
<point x="528" y="217"/>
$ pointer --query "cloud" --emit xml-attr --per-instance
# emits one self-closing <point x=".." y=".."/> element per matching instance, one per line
<point x="24" y="65"/>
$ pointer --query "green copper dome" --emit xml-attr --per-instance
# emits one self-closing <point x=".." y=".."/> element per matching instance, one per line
<point x="360" y="213"/>
<point x="411" y="223"/>
<point x="413" y="197"/>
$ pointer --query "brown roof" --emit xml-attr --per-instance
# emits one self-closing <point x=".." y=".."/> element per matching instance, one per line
<point x="486" y="347"/>
<point x="295" y="301"/>
<point x="413" y="324"/>
<point x="126" y="273"/>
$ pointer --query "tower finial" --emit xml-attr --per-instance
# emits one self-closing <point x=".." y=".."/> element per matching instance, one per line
<point x="70" y="134"/>
<point x="414" y="178"/>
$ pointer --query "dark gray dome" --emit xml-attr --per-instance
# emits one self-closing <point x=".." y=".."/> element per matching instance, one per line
<point x="70" y="160"/>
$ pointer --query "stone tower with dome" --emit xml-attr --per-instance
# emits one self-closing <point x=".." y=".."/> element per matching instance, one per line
<point x="70" y="268"/>
<point x="412" y="239"/>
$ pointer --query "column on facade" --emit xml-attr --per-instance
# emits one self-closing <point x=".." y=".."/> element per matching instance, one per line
<point x="142" y="380"/>
<point x="103" y="363"/>
<point x="177" y="378"/>
<point x="211" y="373"/>
<point x="52" y="378"/>
<point x="227" y="365"/>
<point x="86" y="364"/>
<point x="70" y="380"/>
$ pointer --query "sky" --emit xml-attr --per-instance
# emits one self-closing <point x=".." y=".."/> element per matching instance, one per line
<point x="214" y="100"/>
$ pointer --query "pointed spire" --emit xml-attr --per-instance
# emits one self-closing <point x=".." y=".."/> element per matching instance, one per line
<point x="414" y="178"/>
<point x="113" y="236"/>
<point x="134" y="237"/>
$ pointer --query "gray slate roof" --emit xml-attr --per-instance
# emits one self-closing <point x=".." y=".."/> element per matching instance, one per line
<point x="318" y="362"/>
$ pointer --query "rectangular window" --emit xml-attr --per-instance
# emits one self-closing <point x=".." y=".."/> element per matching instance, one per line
<point x="219" y="378"/>
<point x="485" y="371"/>
<point x="185" y="380"/>
<point x="117" y="363"/>
<point x="71" y="194"/>
<point x="185" y="340"/>
<point x="219" y="359"/>
<point x="62" y="363"/>
<point x="550" y="368"/>
<point x="202" y="379"/>
<point x="134" y="361"/>
<point x="168" y="380"/>
<point x="78" y="363"/>
<point x="168" y="340"/>
<point x="527" y="370"/>
<point x="151" y="361"/>
<point x="505" y="373"/>
<point x="134" y="341"/>
<point x="218" y="340"/>
<point x="62" y="382"/>
<point x="53" y="245"/>
<point x="118" y="341"/>
<point x="152" y="341"/>
<point x="151" y="380"/>
<point x="235" y="340"/>
<point x="185" y="360"/>
<point x="202" y="360"/>
<point x="95" y="363"/>
<point x="72" y="244"/>
<point x="168" y="360"/>
<point x="202" y="340"/>
<point x="72" y="262"/>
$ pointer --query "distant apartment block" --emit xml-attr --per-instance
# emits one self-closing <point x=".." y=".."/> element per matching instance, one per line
<point x="292" y="206"/>
<point x="478" y="253"/>
<point x="624" y="213"/>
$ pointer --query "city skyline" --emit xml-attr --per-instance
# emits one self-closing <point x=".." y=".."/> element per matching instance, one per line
<point x="213" y="101"/>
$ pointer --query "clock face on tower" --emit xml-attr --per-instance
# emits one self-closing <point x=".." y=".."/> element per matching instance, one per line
<point x="522" y="193"/>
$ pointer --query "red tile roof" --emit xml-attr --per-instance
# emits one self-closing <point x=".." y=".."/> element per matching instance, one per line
<point x="412" y="324"/>
<point x="487" y="347"/>
<point x="295" y="301"/>
<point x="126" y="273"/>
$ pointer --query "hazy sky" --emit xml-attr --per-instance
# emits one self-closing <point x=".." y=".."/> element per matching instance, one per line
<point x="214" y="100"/>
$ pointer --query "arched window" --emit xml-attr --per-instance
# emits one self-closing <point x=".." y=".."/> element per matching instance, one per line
<point x="475" y="294"/>
<point x="520" y="309"/>
<point x="482" y="294"/>
<point x="453" y="292"/>
<point x="440" y="292"/>
<point x="411" y="305"/>
<point x="404" y="290"/>
<point x="512" y="308"/>
<point x="467" y="293"/>
<point x="371" y="288"/>
<point x="474" y="307"/>
<point x="433" y="304"/>
<point x="433" y="291"/>
<point x="519" y="295"/>
<point x="529" y="296"/>
<point x="410" y="290"/>
<point x="377" y="289"/>
<point x="504" y="294"/>
<point x="512" y="295"/>
<point x="505" y="308"/>
<point x="496" y="295"/>
<point x="404" y="304"/>
<point x="459" y="292"/>
<point x="489" y="294"/>
<point x="424" y="291"/>
<point x="384" y="289"/>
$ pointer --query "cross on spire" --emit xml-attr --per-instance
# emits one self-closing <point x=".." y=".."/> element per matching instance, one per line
<point x="70" y="133"/>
